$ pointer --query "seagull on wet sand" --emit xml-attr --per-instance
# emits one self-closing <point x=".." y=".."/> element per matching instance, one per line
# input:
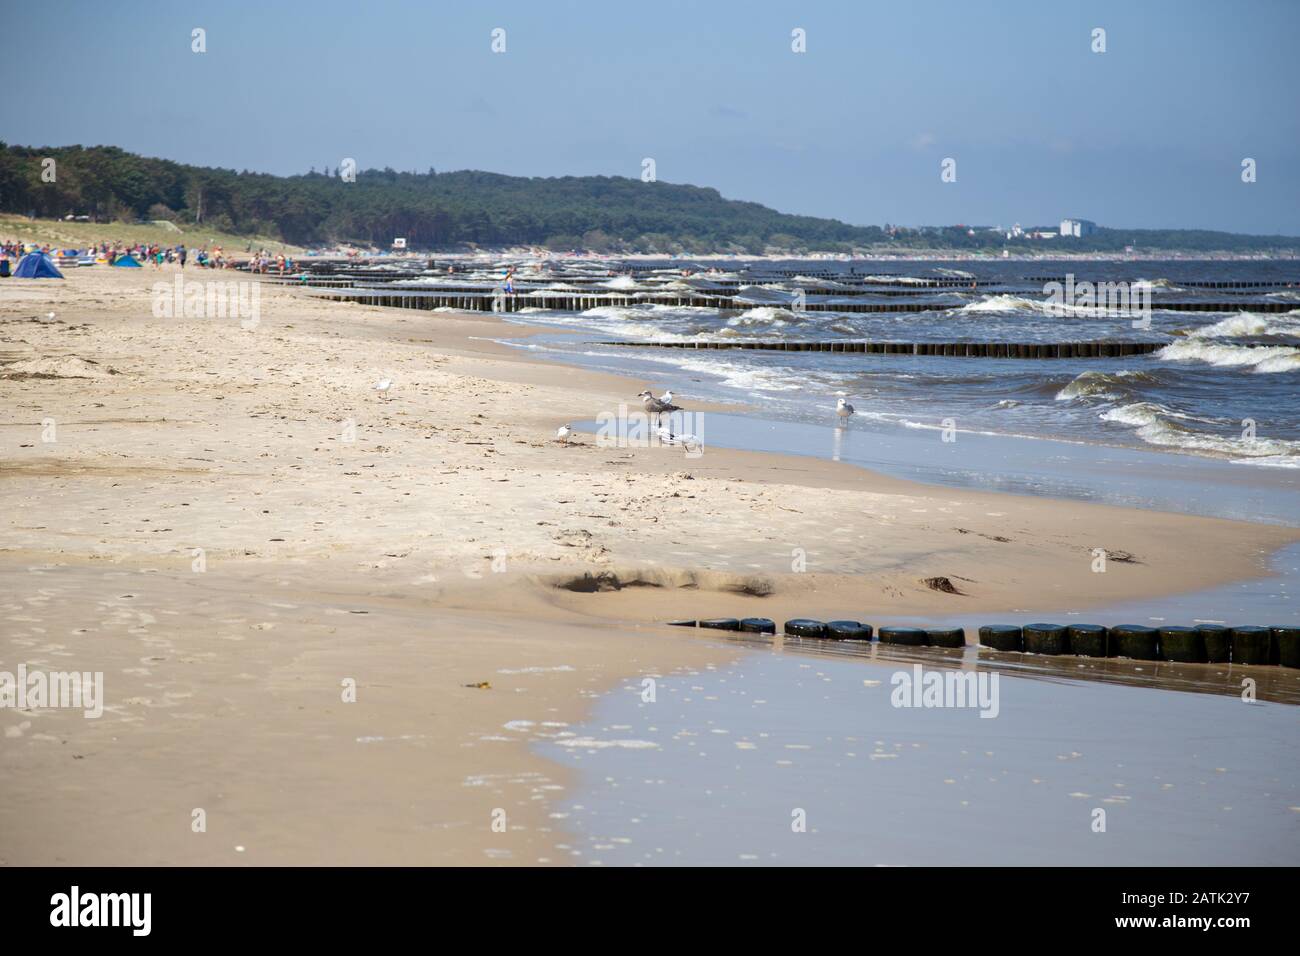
<point x="843" y="409"/>
<point x="562" y="433"/>
<point x="382" y="387"/>
<point x="655" y="407"/>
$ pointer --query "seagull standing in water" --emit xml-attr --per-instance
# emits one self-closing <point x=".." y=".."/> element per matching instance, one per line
<point x="694" y="447"/>
<point x="562" y="433"/>
<point x="844" y="410"/>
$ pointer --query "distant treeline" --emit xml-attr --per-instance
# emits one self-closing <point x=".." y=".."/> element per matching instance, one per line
<point x="451" y="210"/>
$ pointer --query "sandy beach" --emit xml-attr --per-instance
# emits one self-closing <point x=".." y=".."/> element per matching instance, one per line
<point x="234" y="526"/>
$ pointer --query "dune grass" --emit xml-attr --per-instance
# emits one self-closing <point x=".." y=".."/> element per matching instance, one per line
<point x="78" y="235"/>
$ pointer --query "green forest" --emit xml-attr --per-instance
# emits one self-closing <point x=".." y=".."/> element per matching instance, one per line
<point x="465" y="209"/>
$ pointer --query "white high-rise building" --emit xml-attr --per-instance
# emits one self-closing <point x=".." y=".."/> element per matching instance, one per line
<point x="1078" y="227"/>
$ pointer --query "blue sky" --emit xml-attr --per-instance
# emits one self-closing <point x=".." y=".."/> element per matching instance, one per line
<point x="1150" y="133"/>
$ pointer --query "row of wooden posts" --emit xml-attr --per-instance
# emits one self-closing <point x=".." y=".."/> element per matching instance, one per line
<point x="1024" y="350"/>
<point x="488" y="301"/>
<point x="1202" y="644"/>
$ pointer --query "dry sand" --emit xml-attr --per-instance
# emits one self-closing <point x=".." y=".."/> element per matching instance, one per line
<point x="202" y="531"/>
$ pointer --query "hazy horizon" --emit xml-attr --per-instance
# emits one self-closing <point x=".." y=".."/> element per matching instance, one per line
<point x="1149" y="134"/>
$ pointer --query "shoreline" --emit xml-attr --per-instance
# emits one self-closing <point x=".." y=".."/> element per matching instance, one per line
<point x="213" y="438"/>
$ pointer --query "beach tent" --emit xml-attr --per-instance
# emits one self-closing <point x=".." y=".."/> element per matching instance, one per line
<point x="129" y="262"/>
<point x="37" y="265"/>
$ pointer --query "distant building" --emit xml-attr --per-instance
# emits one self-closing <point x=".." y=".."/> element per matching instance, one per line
<point x="1078" y="227"/>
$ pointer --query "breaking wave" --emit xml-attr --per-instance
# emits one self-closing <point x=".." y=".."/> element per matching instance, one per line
<point x="1265" y="359"/>
<point x="1251" y="324"/>
<point x="1157" y="424"/>
<point x="1110" y="386"/>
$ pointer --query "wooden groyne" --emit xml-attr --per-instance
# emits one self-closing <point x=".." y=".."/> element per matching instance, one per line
<point x="1246" y="285"/>
<point x="1014" y="350"/>
<point x="487" y="301"/>
<point x="593" y="286"/>
<point x="1277" y="645"/>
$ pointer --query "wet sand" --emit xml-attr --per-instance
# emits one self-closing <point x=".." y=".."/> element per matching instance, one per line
<point x="451" y="542"/>
<point x="1067" y="772"/>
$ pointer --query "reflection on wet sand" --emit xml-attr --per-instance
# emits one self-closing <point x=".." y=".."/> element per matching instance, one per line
<point x="725" y="765"/>
<point x="1278" y="684"/>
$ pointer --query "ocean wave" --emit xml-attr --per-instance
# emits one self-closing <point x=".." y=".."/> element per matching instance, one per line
<point x="640" y="313"/>
<point x="748" y="378"/>
<point x="766" y="316"/>
<point x="1148" y="413"/>
<point x="1251" y="324"/>
<point x="1109" y="386"/>
<point x="895" y="280"/>
<point x="1156" y="424"/>
<point x="621" y="282"/>
<point x="1002" y="303"/>
<point x="1008" y="303"/>
<point x="1271" y="461"/>
<point x="1265" y="359"/>
<point x="1167" y="284"/>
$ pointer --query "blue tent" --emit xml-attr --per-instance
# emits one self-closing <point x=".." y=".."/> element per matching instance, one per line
<point x="129" y="262"/>
<point x="37" y="265"/>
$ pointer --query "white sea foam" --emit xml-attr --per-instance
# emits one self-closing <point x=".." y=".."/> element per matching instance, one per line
<point x="1004" y="303"/>
<point x="1159" y="425"/>
<point x="764" y="315"/>
<point x="1272" y="461"/>
<point x="1251" y="324"/>
<point x="592" y="743"/>
<point x="1165" y="284"/>
<point x="1264" y="358"/>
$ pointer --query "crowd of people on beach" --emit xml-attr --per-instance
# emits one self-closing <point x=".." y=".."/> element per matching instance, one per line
<point x="264" y="264"/>
<point x="155" y="254"/>
<point x="13" y="249"/>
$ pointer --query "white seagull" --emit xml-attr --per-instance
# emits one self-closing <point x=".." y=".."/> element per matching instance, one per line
<point x="692" y="444"/>
<point x="382" y="387"/>
<point x="562" y="433"/>
<point x="667" y="397"/>
<point x="843" y="409"/>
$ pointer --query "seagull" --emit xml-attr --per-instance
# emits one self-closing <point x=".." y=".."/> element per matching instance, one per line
<point x="50" y="315"/>
<point x="383" y="387"/>
<point x="562" y="433"/>
<point x="843" y="409"/>
<point x="655" y="406"/>
<point x="667" y="397"/>
<point x="689" y="442"/>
